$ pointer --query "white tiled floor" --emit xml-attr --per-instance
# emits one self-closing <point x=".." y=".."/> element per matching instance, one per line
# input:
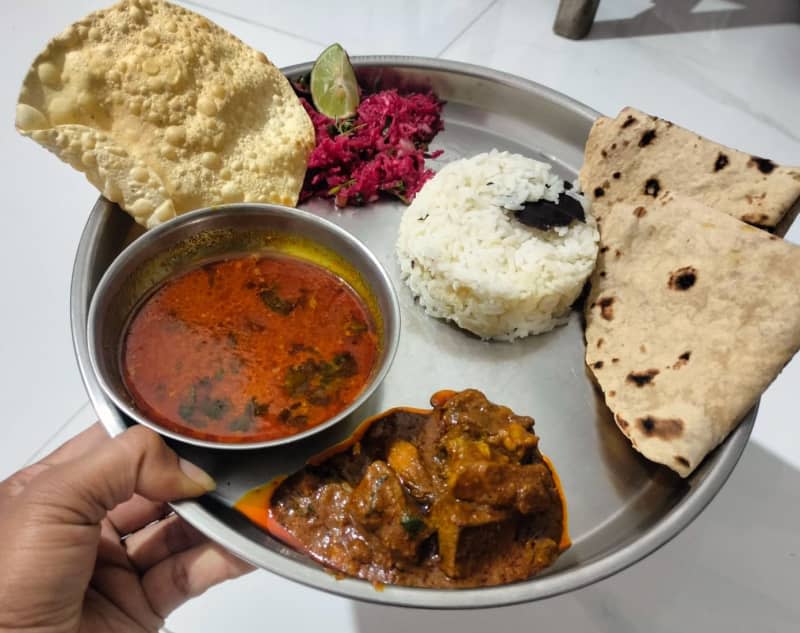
<point x="732" y="85"/>
<point x="413" y="27"/>
<point x="728" y="69"/>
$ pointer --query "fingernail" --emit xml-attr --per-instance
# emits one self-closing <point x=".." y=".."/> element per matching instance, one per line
<point x="197" y="474"/>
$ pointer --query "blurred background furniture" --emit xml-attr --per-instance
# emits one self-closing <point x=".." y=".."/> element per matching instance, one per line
<point x="574" y="18"/>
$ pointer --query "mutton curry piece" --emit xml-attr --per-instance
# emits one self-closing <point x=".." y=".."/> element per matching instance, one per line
<point x="459" y="496"/>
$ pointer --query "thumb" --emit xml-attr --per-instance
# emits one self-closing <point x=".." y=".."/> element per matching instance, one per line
<point x="137" y="461"/>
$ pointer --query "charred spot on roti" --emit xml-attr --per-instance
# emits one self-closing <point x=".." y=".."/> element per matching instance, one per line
<point x="751" y="199"/>
<point x="604" y="249"/>
<point x="613" y="146"/>
<point x="598" y="365"/>
<point x="756" y="219"/>
<point x="615" y="360"/>
<point x="682" y="360"/>
<point x="604" y="153"/>
<point x="721" y="162"/>
<point x="606" y="308"/>
<point x="765" y="165"/>
<point x="682" y="461"/>
<point x="642" y="378"/>
<point x="640" y="212"/>
<point x="629" y="121"/>
<point x="647" y="138"/>
<point x="652" y="187"/>
<point x="621" y="422"/>
<point x="616" y="175"/>
<point x="612" y="393"/>
<point x="663" y="428"/>
<point x="599" y="192"/>
<point x="602" y="273"/>
<point x="600" y="342"/>
<point x="617" y="252"/>
<point x="683" y="278"/>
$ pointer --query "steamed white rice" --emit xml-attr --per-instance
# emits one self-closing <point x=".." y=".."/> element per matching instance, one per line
<point x="468" y="259"/>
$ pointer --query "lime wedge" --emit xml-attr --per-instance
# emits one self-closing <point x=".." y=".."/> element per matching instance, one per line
<point x="334" y="88"/>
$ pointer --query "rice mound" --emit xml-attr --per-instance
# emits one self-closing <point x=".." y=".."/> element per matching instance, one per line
<point x="467" y="258"/>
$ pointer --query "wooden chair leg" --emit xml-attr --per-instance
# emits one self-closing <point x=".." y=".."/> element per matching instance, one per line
<point x="575" y="18"/>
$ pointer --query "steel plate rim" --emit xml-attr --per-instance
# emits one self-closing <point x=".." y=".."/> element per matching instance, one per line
<point x="461" y="68"/>
<point x="542" y="587"/>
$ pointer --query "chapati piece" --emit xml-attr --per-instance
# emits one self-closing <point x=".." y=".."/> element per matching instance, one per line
<point x="636" y="156"/>
<point x="688" y="322"/>
<point x="165" y="112"/>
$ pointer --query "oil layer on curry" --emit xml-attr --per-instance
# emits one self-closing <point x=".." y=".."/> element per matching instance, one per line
<point x="254" y="347"/>
<point x="459" y="496"/>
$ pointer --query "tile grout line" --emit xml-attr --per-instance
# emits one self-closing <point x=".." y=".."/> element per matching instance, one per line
<point x="466" y="28"/>
<point x="37" y="453"/>
<point x="228" y="14"/>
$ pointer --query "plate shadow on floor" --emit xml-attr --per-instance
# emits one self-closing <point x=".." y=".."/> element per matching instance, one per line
<point x="679" y="16"/>
<point x="712" y="575"/>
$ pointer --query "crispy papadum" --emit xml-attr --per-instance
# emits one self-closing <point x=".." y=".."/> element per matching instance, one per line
<point x="687" y="323"/>
<point x="166" y="112"/>
<point x="636" y="157"/>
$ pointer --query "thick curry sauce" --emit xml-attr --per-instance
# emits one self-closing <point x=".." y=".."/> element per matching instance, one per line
<point x="459" y="496"/>
<point x="256" y="347"/>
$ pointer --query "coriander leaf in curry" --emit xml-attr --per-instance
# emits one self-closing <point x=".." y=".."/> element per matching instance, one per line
<point x="318" y="380"/>
<point x="271" y="299"/>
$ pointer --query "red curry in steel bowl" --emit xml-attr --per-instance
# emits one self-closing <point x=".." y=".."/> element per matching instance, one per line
<point x="242" y="326"/>
<point x="251" y="347"/>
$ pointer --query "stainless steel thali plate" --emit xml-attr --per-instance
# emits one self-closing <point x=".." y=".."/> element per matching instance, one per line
<point x="621" y="507"/>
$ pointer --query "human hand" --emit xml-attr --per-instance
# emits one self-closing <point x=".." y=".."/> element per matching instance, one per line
<point x="87" y="542"/>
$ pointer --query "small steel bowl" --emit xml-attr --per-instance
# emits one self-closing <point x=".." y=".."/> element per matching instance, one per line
<point x="206" y="234"/>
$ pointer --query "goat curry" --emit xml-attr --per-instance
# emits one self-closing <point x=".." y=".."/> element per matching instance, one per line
<point x="459" y="496"/>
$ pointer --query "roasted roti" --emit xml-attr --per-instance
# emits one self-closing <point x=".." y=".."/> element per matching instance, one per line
<point x="688" y="322"/>
<point x="165" y="112"/>
<point x="636" y="157"/>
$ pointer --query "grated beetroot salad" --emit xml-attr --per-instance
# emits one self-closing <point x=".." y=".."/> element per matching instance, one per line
<point x="381" y="149"/>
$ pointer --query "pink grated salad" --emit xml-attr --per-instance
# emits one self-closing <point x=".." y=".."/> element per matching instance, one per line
<point x="382" y="149"/>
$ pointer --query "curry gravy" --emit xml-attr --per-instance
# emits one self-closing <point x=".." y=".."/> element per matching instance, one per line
<point x="254" y="347"/>
<point x="455" y="497"/>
